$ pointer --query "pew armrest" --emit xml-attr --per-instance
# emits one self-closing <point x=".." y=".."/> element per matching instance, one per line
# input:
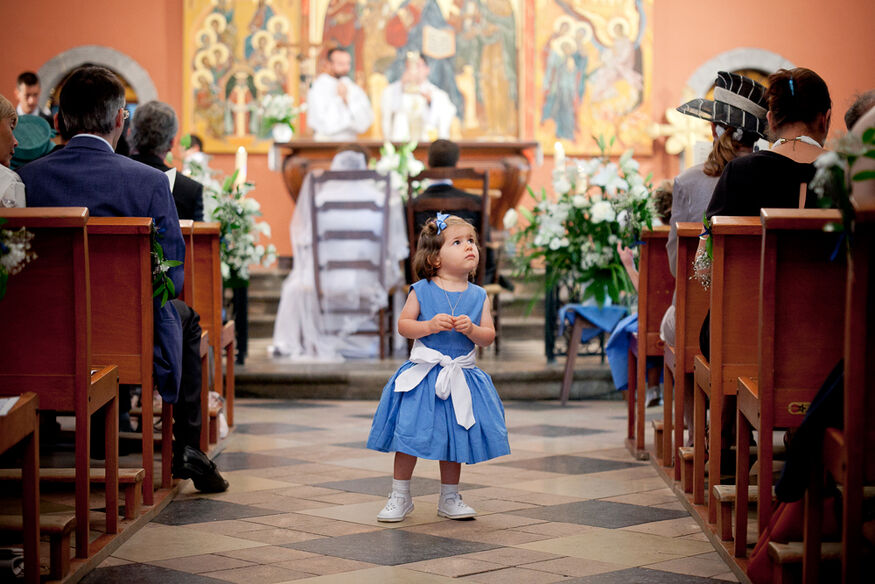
<point x="228" y="334"/>
<point x="104" y="386"/>
<point x="670" y="358"/>
<point x="748" y="400"/>
<point x="702" y="374"/>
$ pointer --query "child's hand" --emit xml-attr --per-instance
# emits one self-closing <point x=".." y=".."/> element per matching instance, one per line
<point x="626" y="255"/>
<point x="463" y="324"/>
<point x="441" y="322"/>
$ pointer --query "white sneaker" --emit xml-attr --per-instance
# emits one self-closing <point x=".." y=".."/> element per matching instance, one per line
<point x="453" y="507"/>
<point x="397" y="508"/>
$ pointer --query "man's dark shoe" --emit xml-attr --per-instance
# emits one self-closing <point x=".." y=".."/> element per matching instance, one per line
<point x="195" y="465"/>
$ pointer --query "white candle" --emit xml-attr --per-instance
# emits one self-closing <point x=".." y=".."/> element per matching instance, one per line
<point x="559" y="156"/>
<point x="240" y="165"/>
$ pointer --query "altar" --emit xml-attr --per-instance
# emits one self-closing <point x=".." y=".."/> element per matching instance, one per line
<point x="508" y="165"/>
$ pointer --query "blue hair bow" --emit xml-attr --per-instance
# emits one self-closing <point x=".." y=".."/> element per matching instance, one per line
<point x="441" y="221"/>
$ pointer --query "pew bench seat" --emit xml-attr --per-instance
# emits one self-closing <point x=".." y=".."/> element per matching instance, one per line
<point x="58" y="529"/>
<point x="787" y="559"/>
<point x="725" y="497"/>
<point x="130" y="480"/>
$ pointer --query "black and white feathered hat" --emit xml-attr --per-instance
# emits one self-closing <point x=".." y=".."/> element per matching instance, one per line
<point x="739" y="102"/>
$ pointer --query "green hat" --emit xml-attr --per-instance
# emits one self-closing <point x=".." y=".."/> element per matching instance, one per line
<point x="34" y="136"/>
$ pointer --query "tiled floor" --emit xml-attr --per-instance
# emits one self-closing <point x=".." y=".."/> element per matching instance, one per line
<point x="569" y="505"/>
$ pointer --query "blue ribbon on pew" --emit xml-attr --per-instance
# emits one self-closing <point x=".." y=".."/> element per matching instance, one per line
<point x="835" y="252"/>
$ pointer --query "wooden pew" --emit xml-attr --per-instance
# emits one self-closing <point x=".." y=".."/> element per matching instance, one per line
<point x="801" y="319"/>
<point x="122" y="317"/>
<point x="655" y="288"/>
<point x="734" y="325"/>
<point x="207" y="274"/>
<point x="187" y="295"/>
<point x="692" y="301"/>
<point x="48" y="305"/>
<point x="20" y="425"/>
<point x="849" y="454"/>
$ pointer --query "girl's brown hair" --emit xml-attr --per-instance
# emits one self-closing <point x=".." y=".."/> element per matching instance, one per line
<point x="725" y="149"/>
<point x="426" y="261"/>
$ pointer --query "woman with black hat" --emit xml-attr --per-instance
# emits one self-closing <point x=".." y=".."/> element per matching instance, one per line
<point x="798" y="119"/>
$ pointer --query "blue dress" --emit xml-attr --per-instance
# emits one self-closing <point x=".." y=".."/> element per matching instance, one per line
<point x="418" y="422"/>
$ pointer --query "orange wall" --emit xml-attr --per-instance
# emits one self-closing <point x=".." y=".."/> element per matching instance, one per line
<point x="832" y="38"/>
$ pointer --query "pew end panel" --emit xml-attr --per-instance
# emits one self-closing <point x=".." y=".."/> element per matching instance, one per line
<point x="655" y="288"/>
<point x="737" y="243"/>
<point x="123" y="314"/>
<point x="48" y="304"/>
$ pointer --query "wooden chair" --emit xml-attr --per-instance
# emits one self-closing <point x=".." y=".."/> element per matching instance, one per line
<point x="48" y="306"/>
<point x="655" y="287"/>
<point x="20" y="426"/>
<point x="849" y="454"/>
<point x="801" y="321"/>
<point x="734" y="324"/>
<point x="691" y="305"/>
<point x="207" y="274"/>
<point x="122" y="318"/>
<point x="463" y="178"/>
<point x="384" y="325"/>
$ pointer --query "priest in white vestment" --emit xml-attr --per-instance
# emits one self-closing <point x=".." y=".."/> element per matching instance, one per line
<point x="300" y="331"/>
<point x="414" y="108"/>
<point x="338" y="109"/>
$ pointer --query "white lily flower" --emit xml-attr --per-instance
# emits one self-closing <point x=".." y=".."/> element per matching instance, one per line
<point x="510" y="219"/>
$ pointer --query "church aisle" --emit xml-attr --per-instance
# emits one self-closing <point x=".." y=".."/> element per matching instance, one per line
<point x="569" y="505"/>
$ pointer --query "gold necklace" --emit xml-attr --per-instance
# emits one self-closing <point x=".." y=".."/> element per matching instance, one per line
<point x="450" y="304"/>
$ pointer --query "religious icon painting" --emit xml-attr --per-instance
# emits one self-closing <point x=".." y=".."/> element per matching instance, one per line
<point x="236" y="52"/>
<point x="594" y="61"/>
<point x="472" y="49"/>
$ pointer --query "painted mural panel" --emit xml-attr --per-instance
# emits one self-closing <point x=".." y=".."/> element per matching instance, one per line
<point x="472" y="48"/>
<point x="593" y="75"/>
<point x="236" y="52"/>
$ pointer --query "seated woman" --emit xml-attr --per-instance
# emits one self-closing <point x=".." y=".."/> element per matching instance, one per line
<point x="799" y="116"/>
<point x="11" y="187"/>
<point x="304" y="329"/>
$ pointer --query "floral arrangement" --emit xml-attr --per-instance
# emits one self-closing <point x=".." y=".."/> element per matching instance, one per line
<point x="15" y="253"/>
<point x="597" y="205"/>
<point x="240" y="231"/>
<point x="278" y="109"/>
<point x="401" y="165"/>
<point x="833" y="181"/>
<point x="162" y="285"/>
<point x="227" y="202"/>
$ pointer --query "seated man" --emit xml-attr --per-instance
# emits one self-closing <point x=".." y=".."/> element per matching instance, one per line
<point x="415" y="109"/>
<point x="445" y="154"/>
<point x="87" y="173"/>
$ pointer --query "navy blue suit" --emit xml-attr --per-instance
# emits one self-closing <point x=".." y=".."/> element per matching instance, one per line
<point x="87" y="173"/>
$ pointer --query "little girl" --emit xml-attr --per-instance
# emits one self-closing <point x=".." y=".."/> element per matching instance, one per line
<point x="439" y="405"/>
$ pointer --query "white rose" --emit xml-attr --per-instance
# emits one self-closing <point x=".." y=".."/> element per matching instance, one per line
<point x="561" y="185"/>
<point x="555" y="243"/>
<point x="414" y="167"/>
<point x="602" y="211"/>
<point x="578" y="201"/>
<point x="623" y="218"/>
<point x="510" y="219"/>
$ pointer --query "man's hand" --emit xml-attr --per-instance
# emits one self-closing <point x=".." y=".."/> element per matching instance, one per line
<point x="441" y="322"/>
<point x="342" y="90"/>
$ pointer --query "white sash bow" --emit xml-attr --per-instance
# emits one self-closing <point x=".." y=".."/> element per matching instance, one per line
<point x="450" y="381"/>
